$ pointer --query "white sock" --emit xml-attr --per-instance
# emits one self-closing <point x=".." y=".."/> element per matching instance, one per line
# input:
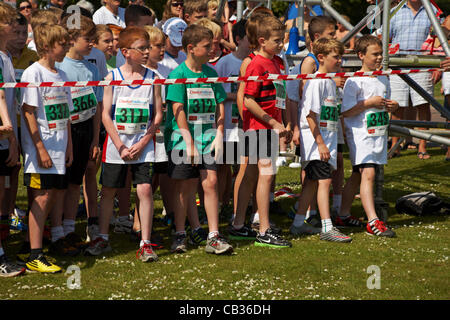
<point x="104" y="236"/>
<point x="337" y="200"/>
<point x="299" y="220"/>
<point x="1" y="251"/>
<point x="144" y="242"/>
<point x="57" y="233"/>
<point x="310" y="213"/>
<point x="327" y="225"/>
<point x="255" y="218"/>
<point x="212" y="234"/>
<point x="69" y="226"/>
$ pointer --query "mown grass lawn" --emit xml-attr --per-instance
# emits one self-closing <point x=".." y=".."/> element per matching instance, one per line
<point x="414" y="265"/>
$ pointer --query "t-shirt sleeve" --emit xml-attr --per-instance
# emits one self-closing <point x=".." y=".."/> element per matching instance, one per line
<point x="176" y="92"/>
<point x="350" y="98"/>
<point x="312" y="96"/>
<point x="30" y="96"/>
<point x="253" y="88"/>
<point x="446" y="83"/>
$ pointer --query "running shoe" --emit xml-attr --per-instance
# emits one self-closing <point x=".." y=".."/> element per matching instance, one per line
<point x="275" y="229"/>
<point x="271" y="239"/>
<point x="146" y="254"/>
<point x="76" y="241"/>
<point x="197" y="237"/>
<point x="334" y="235"/>
<point x="92" y="232"/>
<point x="17" y="223"/>
<point x="123" y="226"/>
<point x="62" y="247"/>
<point x="244" y="233"/>
<point x="380" y="229"/>
<point x="179" y="243"/>
<point x="314" y="221"/>
<point x="304" y="229"/>
<point x="156" y="240"/>
<point x="349" y="221"/>
<point x="41" y="264"/>
<point x="9" y="269"/>
<point x="98" y="247"/>
<point x="218" y="245"/>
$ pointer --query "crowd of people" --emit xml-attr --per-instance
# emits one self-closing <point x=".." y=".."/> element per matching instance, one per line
<point x="218" y="142"/>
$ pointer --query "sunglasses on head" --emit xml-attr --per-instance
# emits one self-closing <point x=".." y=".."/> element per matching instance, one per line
<point x="176" y="4"/>
<point x="25" y="7"/>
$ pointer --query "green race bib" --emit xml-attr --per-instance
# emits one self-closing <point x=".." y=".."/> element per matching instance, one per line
<point x="329" y="115"/>
<point x="201" y="105"/>
<point x="132" y="114"/>
<point x="84" y="104"/>
<point x="56" y="109"/>
<point x="280" y="87"/>
<point x="377" y="122"/>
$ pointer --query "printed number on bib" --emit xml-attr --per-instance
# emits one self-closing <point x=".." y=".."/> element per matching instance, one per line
<point x="377" y="123"/>
<point x="201" y="105"/>
<point x="84" y="104"/>
<point x="56" y="111"/>
<point x="234" y="114"/>
<point x="280" y="87"/>
<point x="132" y="115"/>
<point x="329" y="115"/>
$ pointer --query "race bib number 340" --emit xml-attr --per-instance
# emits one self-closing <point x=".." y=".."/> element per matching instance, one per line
<point x="132" y="115"/>
<point x="201" y="105"/>
<point x="56" y="111"/>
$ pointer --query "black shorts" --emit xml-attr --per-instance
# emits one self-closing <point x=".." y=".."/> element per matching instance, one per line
<point x="82" y="136"/>
<point x="45" y="181"/>
<point x="261" y="144"/>
<point x="102" y="136"/>
<point x="114" y="175"/>
<point x="4" y="169"/>
<point x="184" y="170"/>
<point x="318" y="170"/>
<point x="160" y="167"/>
<point x="364" y="165"/>
<point x="340" y="147"/>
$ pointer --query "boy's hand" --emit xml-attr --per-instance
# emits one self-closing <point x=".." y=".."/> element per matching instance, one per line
<point x="391" y="105"/>
<point x="125" y="153"/>
<point x="217" y="147"/>
<point x="296" y="136"/>
<point x="192" y="154"/>
<point x="324" y="152"/>
<point x="376" y="102"/>
<point x="340" y="82"/>
<point x="136" y="149"/>
<point x="69" y="157"/>
<point x="5" y="131"/>
<point x="43" y="158"/>
<point x="94" y="152"/>
<point x="13" y="157"/>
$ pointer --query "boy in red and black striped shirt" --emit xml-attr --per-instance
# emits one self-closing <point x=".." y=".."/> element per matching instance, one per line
<point x="263" y="124"/>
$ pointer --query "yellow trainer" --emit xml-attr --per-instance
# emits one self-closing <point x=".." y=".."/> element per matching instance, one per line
<point x="40" y="264"/>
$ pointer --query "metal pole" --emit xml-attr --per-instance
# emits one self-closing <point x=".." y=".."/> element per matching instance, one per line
<point x="419" y="134"/>
<point x="301" y="18"/>
<point x="386" y="26"/>
<point x="326" y="5"/>
<point x="239" y="9"/>
<point x="437" y="27"/>
<point x="445" y="112"/>
<point x="421" y="124"/>
<point x="363" y="23"/>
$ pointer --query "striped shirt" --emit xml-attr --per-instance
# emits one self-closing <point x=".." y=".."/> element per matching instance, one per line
<point x="409" y="30"/>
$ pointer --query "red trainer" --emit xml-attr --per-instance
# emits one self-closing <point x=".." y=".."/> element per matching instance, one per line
<point x="380" y="229"/>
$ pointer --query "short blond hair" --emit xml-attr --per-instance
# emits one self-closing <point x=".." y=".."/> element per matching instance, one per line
<point x="326" y="46"/>
<point x="154" y="33"/>
<point x="47" y="35"/>
<point x="44" y="17"/>
<point x="213" y="4"/>
<point x="211" y="25"/>
<point x="7" y="14"/>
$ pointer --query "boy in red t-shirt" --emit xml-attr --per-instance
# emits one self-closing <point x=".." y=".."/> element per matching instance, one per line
<point x="262" y="122"/>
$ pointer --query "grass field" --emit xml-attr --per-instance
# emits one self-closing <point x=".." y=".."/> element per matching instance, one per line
<point x="414" y="265"/>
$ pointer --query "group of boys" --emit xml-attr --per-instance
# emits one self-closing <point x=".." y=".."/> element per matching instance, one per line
<point x="202" y="131"/>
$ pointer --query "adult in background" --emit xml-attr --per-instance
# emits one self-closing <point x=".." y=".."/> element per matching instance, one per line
<point x="56" y="3"/>
<point x="110" y="13"/>
<point x="172" y="9"/>
<point x="87" y="6"/>
<point x="25" y="8"/>
<point x="409" y="28"/>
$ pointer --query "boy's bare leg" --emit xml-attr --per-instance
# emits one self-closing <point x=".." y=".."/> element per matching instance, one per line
<point x="323" y="200"/>
<point x="211" y="199"/>
<point x="349" y="192"/>
<point x="10" y="194"/>
<point x="263" y="189"/>
<point x="42" y="201"/>
<point x="90" y="189"/>
<point x="124" y="195"/>
<point x="145" y="196"/>
<point x="185" y="191"/>
<point x="243" y="187"/>
<point x="366" y="192"/>
<point x="106" y="208"/>
<point x="338" y="183"/>
<point x="71" y="200"/>
<point x="307" y="196"/>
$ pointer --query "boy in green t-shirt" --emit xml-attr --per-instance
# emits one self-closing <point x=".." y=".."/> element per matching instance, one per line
<point x="193" y="137"/>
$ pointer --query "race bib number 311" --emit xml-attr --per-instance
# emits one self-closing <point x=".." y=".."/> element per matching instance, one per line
<point x="132" y="115"/>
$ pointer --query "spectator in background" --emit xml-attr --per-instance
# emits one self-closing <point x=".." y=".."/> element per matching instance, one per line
<point x="86" y="5"/>
<point x="110" y="13"/>
<point x="136" y="2"/>
<point x="56" y="3"/>
<point x="25" y="8"/>
<point x="172" y="9"/>
<point x="195" y="10"/>
<point x="34" y="5"/>
<point x="115" y="31"/>
<point x="341" y="32"/>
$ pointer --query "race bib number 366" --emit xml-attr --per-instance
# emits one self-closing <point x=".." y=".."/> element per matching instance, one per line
<point x="84" y="104"/>
<point x="132" y="115"/>
<point x="201" y="105"/>
<point x="56" y="111"/>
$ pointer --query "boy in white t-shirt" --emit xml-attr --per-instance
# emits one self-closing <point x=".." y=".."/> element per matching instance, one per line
<point x="446" y="91"/>
<point x="365" y="110"/>
<point x="131" y="115"/>
<point x="46" y="136"/>
<point x="318" y="135"/>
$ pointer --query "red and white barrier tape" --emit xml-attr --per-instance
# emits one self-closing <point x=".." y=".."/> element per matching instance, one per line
<point x="105" y="83"/>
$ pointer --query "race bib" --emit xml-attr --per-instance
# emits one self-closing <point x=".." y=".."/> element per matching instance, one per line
<point x="235" y="114"/>
<point x="201" y="105"/>
<point x="329" y="115"/>
<point x="56" y="111"/>
<point x="84" y="104"/>
<point x="132" y="115"/>
<point x="280" y="87"/>
<point x="377" y="123"/>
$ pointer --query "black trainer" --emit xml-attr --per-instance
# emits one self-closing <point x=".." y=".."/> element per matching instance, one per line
<point x="244" y="233"/>
<point x="271" y="239"/>
<point x="9" y="269"/>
